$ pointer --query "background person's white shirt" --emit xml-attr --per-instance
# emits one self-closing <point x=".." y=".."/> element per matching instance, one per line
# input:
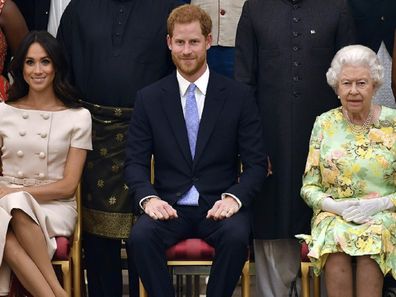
<point x="56" y="10"/>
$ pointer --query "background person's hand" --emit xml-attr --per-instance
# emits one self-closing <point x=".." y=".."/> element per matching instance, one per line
<point x="223" y="208"/>
<point x="159" y="209"/>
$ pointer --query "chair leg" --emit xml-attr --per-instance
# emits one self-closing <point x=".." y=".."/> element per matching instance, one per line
<point x="142" y="290"/>
<point x="77" y="284"/>
<point x="305" y="289"/>
<point x="245" y="280"/>
<point x="67" y="281"/>
<point x="316" y="285"/>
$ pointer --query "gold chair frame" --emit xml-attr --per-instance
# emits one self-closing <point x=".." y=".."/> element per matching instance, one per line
<point x="305" y="281"/>
<point x="71" y="268"/>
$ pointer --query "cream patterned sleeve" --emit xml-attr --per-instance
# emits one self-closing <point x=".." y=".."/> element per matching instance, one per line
<point x="82" y="131"/>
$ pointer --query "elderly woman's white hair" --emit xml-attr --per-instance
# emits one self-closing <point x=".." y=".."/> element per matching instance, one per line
<point x="355" y="55"/>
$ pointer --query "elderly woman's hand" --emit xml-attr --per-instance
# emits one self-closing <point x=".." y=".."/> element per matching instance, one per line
<point x="366" y="208"/>
<point x="6" y="190"/>
<point x="337" y="207"/>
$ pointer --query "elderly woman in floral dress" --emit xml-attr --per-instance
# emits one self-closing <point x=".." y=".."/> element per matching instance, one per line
<point x="350" y="180"/>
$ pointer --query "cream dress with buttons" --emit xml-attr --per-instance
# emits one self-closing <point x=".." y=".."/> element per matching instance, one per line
<point x="34" y="147"/>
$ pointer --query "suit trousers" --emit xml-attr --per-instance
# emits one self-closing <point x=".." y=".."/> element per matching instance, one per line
<point x="150" y="239"/>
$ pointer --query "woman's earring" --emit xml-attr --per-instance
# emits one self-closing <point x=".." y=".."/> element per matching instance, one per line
<point x="339" y="98"/>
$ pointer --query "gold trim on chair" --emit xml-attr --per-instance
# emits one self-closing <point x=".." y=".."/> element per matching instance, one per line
<point x="71" y="268"/>
<point x="305" y="281"/>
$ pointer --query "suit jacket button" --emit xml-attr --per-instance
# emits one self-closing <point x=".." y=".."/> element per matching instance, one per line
<point x="195" y="179"/>
<point x="178" y="194"/>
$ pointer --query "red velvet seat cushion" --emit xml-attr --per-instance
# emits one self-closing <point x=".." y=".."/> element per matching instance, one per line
<point x="304" y="250"/>
<point x="193" y="249"/>
<point x="63" y="248"/>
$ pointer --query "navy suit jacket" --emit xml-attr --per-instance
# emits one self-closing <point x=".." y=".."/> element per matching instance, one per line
<point x="229" y="132"/>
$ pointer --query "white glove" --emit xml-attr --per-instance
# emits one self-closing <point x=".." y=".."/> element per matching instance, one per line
<point x="362" y="212"/>
<point x="337" y="207"/>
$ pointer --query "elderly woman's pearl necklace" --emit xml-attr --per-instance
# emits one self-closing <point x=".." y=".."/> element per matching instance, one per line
<point x="359" y="129"/>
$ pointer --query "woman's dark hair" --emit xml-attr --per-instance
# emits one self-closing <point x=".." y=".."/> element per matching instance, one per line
<point x="61" y="85"/>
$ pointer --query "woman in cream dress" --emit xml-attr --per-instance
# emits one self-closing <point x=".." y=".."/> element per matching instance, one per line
<point x="44" y="136"/>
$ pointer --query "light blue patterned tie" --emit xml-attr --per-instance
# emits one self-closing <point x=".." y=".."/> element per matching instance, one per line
<point x="191" y="118"/>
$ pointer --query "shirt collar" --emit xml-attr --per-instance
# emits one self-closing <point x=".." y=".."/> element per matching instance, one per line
<point x="201" y="82"/>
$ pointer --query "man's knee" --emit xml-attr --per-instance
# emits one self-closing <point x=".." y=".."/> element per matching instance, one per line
<point x="235" y="236"/>
<point x="142" y="234"/>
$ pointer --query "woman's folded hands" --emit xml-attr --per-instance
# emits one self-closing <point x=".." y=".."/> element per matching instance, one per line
<point x="357" y="211"/>
<point x="363" y="212"/>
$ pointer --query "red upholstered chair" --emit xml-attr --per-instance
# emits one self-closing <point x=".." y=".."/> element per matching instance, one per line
<point x="196" y="252"/>
<point x="305" y="275"/>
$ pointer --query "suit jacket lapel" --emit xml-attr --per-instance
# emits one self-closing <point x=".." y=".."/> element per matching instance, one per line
<point x="174" y="112"/>
<point x="214" y="101"/>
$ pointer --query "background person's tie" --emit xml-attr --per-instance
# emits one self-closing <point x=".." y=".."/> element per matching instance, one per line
<point x="191" y="118"/>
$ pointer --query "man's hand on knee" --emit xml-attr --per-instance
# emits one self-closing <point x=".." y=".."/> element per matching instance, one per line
<point x="158" y="209"/>
<point x="224" y="208"/>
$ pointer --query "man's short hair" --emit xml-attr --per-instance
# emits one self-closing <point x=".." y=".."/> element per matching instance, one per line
<point x="187" y="14"/>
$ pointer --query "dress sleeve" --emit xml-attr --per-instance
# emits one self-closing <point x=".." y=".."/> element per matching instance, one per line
<point x="392" y="196"/>
<point x="312" y="190"/>
<point x="82" y="131"/>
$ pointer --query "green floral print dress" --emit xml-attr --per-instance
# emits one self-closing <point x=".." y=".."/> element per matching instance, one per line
<point x="344" y="164"/>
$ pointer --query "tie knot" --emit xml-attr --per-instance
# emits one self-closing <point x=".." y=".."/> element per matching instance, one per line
<point x="191" y="88"/>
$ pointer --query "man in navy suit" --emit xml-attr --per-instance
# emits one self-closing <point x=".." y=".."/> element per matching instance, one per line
<point x="197" y="125"/>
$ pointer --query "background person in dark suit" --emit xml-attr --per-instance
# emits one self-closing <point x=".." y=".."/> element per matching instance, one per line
<point x="35" y="12"/>
<point x="283" y="50"/>
<point x="196" y="191"/>
<point x="375" y="22"/>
